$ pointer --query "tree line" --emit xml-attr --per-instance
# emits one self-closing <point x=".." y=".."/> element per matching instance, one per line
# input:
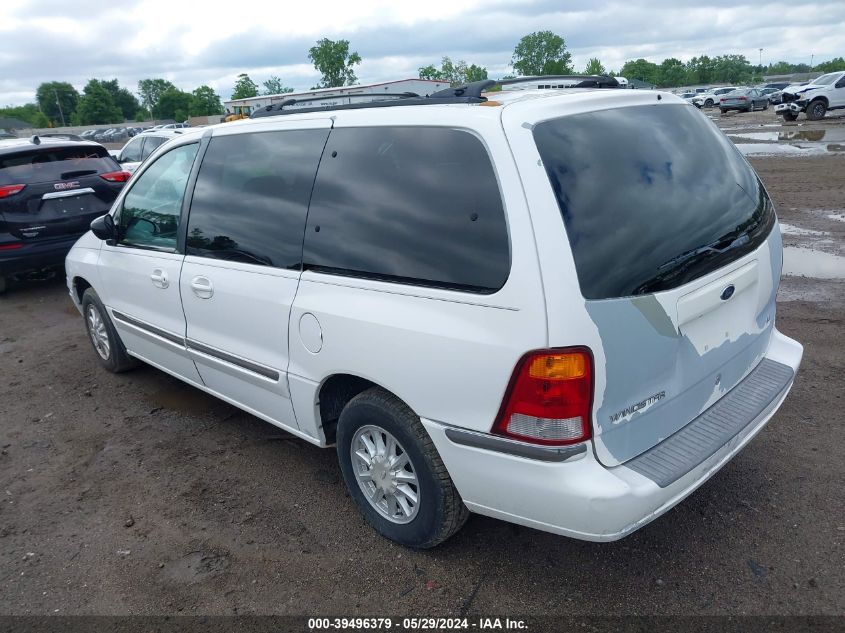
<point x="538" y="53"/>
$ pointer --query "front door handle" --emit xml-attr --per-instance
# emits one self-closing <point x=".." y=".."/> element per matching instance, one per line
<point x="159" y="278"/>
<point x="202" y="287"/>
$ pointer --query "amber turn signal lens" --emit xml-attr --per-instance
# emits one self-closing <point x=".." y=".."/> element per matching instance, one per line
<point x="558" y="366"/>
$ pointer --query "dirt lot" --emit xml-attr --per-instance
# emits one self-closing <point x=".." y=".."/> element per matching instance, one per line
<point x="138" y="494"/>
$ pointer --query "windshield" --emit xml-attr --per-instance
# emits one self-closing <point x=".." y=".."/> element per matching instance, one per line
<point x="826" y="80"/>
<point x="652" y="197"/>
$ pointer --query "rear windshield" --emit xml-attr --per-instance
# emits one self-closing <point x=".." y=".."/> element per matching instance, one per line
<point x="50" y="164"/>
<point x="652" y="197"/>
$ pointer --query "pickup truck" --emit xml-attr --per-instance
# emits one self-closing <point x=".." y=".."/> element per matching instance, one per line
<point x="815" y="99"/>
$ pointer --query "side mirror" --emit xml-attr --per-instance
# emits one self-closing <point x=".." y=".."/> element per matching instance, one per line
<point x="104" y="227"/>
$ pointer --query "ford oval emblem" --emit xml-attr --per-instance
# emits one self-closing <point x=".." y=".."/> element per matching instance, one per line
<point x="728" y="292"/>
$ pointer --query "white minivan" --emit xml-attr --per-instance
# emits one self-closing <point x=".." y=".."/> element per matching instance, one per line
<point x="540" y="307"/>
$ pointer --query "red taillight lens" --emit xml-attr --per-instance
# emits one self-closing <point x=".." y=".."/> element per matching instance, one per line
<point x="10" y="190"/>
<point x="11" y="247"/>
<point x="743" y="98"/>
<point x="116" y="176"/>
<point x="549" y="398"/>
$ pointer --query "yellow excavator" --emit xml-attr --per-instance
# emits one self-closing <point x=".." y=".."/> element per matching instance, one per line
<point x="238" y="113"/>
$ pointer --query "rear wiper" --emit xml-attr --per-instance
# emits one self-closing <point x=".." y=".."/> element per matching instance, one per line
<point x="712" y="247"/>
<point x="79" y="172"/>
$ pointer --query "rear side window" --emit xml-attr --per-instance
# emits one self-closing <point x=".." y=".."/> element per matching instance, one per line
<point x="49" y="164"/>
<point x="416" y="205"/>
<point x="132" y="152"/>
<point x="652" y="197"/>
<point x="150" y="143"/>
<point x="251" y="197"/>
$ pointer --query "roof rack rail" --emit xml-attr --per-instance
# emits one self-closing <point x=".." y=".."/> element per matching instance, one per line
<point x="464" y="93"/>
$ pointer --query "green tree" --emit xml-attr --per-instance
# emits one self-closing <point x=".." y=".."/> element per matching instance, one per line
<point x="274" y="86"/>
<point x="335" y="62"/>
<point x="595" y="67"/>
<point x="541" y="53"/>
<point x="28" y="113"/>
<point x="173" y="104"/>
<point x="151" y="90"/>
<point x="143" y="115"/>
<point x="245" y="87"/>
<point x="672" y="72"/>
<point x="455" y="73"/>
<point x="122" y="98"/>
<point x="700" y="70"/>
<point x="641" y="69"/>
<point x="204" y="102"/>
<point x="57" y="99"/>
<point x="837" y="63"/>
<point x="97" y="106"/>
<point x="732" y="69"/>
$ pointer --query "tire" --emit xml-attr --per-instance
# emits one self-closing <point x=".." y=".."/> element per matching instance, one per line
<point x="723" y="111"/>
<point x="374" y="416"/>
<point x="708" y="103"/>
<point x="766" y="105"/>
<point x="816" y="110"/>
<point x="104" y="339"/>
<point x="789" y="116"/>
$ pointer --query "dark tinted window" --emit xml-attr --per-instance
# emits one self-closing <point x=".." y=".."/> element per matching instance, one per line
<point x="412" y="204"/>
<point x="652" y="197"/>
<point x="150" y="143"/>
<point x="47" y="164"/>
<point x="251" y="197"/>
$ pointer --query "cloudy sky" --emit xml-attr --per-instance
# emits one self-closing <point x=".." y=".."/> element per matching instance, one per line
<point x="210" y="42"/>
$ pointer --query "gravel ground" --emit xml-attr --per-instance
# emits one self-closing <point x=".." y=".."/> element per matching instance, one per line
<point x="138" y="494"/>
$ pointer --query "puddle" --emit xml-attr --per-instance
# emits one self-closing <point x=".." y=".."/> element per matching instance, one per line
<point x="756" y="136"/>
<point x="773" y="149"/>
<point x="789" y="229"/>
<point x="805" y="262"/>
<point x="839" y="217"/>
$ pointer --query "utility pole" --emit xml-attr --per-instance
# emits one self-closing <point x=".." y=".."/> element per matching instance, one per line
<point x="811" y="62"/>
<point x="61" y="114"/>
<point x="761" y="60"/>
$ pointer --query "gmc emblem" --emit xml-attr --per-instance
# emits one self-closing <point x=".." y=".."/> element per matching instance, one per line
<point x="61" y="186"/>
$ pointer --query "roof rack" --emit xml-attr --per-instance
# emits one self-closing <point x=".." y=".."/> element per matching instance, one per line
<point x="466" y="93"/>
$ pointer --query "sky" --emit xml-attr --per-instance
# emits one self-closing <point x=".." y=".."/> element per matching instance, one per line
<point x="195" y="43"/>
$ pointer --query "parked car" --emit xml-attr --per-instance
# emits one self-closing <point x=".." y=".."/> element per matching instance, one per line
<point x="548" y="311"/>
<point x="100" y="135"/>
<point x="709" y="99"/>
<point x="141" y="146"/>
<point x="815" y="99"/>
<point x="176" y="126"/>
<point x="6" y="135"/>
<point x="777" y="85"/>
<point x="50" y="190"/>
<point x="688" y="96"/>
<point x="743" y="100"/>
<point x="88" y="135"/>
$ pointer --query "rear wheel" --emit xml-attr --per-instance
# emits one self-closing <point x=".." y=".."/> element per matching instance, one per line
<point x="723" y="111"/>
<point x="107" y="344"/>
<point x="394" y="473"/>
<point x="816" y="110"/>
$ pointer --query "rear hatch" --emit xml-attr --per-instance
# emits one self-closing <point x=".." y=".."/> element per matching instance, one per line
<point x="734" y="100"/>
<point x="677" y="255"/>
<point x="54" y="190"/>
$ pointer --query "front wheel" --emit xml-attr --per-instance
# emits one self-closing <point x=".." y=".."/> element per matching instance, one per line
<point x="816" y="110"/>
<point x="708" y="103"/>
<point x="110" y="350"/>
<point x="394" y="473"/>
<point x="789" y="116"/>
<point x="765" y="105"/>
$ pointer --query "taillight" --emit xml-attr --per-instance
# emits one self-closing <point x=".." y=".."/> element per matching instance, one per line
<point x="10" y="190"/>
<point x="549" y="398"/>
<point x="743" y="98"/>
<point x="116" y="176"/>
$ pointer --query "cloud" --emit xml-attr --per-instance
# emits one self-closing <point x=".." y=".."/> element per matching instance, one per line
<point x="191" y="44"/>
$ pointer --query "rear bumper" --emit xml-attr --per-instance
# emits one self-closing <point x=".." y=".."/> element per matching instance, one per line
<point x="33" y="256"/>
<point x="579" y="497"/>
